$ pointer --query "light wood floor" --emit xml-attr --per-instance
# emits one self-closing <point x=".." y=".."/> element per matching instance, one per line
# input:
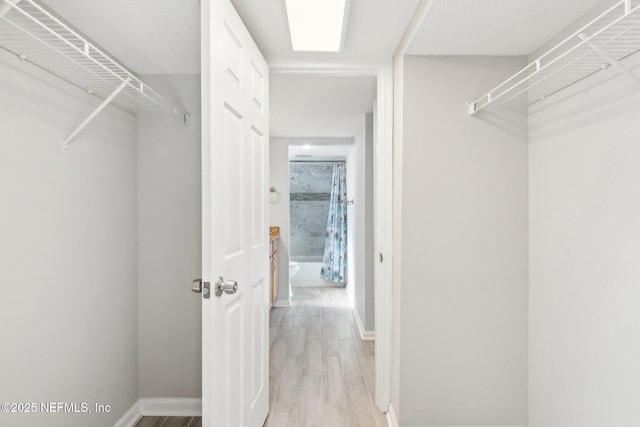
<point x="321" y="372"/>
<point x="170" y="422"/>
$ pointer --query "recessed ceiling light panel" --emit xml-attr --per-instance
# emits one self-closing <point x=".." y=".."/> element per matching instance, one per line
<point x="316" y="25"/>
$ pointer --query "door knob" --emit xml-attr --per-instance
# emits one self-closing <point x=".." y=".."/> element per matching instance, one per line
<point x="228" y="287"/>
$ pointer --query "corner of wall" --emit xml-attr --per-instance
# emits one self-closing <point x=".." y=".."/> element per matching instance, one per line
<point x="279" y="213"/>
<point x="169" y="248"/>
<point x="364" y="333"/>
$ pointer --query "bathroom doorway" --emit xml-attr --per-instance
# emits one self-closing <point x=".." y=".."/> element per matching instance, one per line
<point x="318" y="219"/>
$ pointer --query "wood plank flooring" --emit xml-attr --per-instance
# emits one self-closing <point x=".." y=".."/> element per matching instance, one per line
<point x="321" y="373"/>
<point x="169" y="422"/>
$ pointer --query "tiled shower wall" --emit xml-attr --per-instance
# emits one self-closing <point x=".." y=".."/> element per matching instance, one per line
<point x="310" y="190"/>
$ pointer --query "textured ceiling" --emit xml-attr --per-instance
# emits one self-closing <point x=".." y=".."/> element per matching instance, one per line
<point x="162" y="36"/>
<point x="319" y="106"/>
<point x="148" y="36"/>
<point x="494" y="27"/>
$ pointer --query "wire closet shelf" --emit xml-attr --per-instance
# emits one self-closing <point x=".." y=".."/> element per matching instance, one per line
<point x="602" y="43"/>
<point x="37" y="36"/>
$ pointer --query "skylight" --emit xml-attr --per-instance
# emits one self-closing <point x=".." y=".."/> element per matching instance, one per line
<point x="316" y="25"/>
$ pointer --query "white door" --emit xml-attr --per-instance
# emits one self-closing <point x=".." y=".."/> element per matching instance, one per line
<point x="235" y="239"/>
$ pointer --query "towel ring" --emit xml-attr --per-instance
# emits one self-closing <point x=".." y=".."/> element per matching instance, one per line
<point x="274" y="200"/>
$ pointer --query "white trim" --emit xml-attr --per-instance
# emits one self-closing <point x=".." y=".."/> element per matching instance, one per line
<point x="359" y="67"/>
<point x="173" y="407"/>
<point x="160" y="406"/>
<point x="282" y="303"/>
<point x="388" y="295"/>
<point x="414" y="25"/>
<point x="396" y="282"/>
<point x="383" y="234"/>
<point x="131" y="417"/>
<point x="345" y="23"/>
<point x="364" y="335"/>
<point x="392" y="418"/>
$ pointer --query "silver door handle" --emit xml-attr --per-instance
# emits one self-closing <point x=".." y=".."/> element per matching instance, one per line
<point x="196" y="286"/>
<point x="228" y="287"/>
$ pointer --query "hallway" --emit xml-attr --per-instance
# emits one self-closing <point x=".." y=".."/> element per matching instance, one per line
<point x="321" y="372"/>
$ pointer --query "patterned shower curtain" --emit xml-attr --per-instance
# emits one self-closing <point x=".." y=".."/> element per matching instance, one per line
<point x="334" y="260"/>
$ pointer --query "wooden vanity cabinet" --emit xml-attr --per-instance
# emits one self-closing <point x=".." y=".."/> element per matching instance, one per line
<point x="273" y="262"/>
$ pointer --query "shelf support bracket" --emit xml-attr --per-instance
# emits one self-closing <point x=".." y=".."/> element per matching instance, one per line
<point x="69" y="139"/>
<point x="472" y="108"/>
<point x="611" y="60"/>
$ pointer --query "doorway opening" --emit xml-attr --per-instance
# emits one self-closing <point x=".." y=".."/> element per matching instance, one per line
<point x="323" y="326"/>
<point x="318" y="218"/>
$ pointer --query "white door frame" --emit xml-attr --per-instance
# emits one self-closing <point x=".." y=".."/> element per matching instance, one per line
<point x="383" y="190"/>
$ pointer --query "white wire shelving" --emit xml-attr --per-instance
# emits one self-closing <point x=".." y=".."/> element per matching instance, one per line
<point x="36" y="35"/>
<point x="599" y="45"/>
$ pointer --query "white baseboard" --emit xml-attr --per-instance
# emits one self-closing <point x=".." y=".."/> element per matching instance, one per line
<point x="158" y="406"/>
<point x="364" y="335"/>
<point x="282" y="303"/>
<point x="175" y="407"/>
<point x="131" y="417"/>
<point x="392" y="418"/>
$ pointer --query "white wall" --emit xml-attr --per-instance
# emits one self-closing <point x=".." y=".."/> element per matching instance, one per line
<point x="367" y="301"/>
<point x="170" y="247"/>
<point x="354" y="161"/>
<point x="360" y="224"/>
<point x="68" y="251"/>
<point x="585" y="246"/>
<point x="462" y="356"/>
<point x="279" y="212"/>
